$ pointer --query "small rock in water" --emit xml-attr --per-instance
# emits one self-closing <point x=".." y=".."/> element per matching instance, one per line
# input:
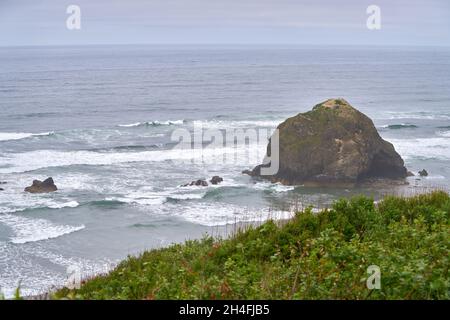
<point x="199" y="183"/>
<point x="249" y="172"/>
<point x="423" y="173"/>
<point x="45" y="186"/>
<point x="216" y="180"/>
<point x="1" y="189"/>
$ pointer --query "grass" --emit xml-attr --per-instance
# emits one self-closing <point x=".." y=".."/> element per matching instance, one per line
<point x="312" y="256"/>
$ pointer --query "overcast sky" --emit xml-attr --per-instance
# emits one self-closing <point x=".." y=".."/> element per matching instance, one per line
<point x="404" y="22"/>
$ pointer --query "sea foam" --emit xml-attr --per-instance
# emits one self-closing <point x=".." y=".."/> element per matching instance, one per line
<point x="7" y="136"/>
<point x="426" y="148"/>
<point x="34" y="160"/>
<point x="153" y="123"/>
<point x="31" y="230"/>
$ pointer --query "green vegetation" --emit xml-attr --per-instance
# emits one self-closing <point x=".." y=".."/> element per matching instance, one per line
<point x="312" y="256"/>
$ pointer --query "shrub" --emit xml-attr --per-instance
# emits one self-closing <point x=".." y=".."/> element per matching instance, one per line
<point x="312" y="256"/>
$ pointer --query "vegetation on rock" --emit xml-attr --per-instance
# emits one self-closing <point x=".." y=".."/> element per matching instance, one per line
<point x="333" y="143"/>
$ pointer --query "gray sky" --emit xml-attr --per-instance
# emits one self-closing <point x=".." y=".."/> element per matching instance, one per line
<point x="404" y="22"/>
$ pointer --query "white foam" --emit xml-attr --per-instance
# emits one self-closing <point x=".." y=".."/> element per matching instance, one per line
<point x="277" y="187"/>
<point x="34" y="160"/>
<point x="70" y="204"/>
<point x="444" y="134"/>
<point x="433" y="177"/>
<point x="31" y="230"/>
<point x="168" y="123"/>
<point x="136" y="124"/>
<point x="149" y="197"/>
<point x="15" y="200"/>
<point x="154" y="123"/>
<point x="437" y="148"/>
<point x="222" y="213"/>
<point x="417" y="115"/>
<point x="226" y="124"/>
<point x="6" y="136"/>
<point x="17" y="265"/>
<point x="141" y="197"/>
<point x="187" y="196"/>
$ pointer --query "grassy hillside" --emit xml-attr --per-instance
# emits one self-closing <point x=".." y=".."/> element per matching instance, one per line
<point x="312" y="256"/>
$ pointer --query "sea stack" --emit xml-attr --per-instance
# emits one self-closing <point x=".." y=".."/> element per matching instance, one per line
<point x="333" y="144"/>
<point x="46" y="186"/>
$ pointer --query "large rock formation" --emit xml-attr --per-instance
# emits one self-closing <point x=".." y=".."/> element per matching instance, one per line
<point x="333" y="144"/>
<point x="42" y="186"/>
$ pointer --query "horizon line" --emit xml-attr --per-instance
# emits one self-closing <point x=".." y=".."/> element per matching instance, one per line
<point x="230" y="44"/>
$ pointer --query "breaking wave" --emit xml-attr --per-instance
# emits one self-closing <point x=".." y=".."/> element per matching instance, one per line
<point x="153" y="123"/>
<point x="7" y="136"/>
<point x="32" y="230"/>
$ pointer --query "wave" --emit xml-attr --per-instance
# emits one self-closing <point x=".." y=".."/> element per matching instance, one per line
<point x="92" y="134"/>
<point x="18" y="264"/>
<point x="70" y="204"/>
<point x="153" y="123"/>
<point x="156" y="197"/>
<point x="186" y="196"/>
<point x="39" y="159"/>
<point x="129" y="148"/>
<point x="31" y="230"/>
<point x="243" y="124"/>
<point x="214" y="214"/>
<point x="7" y="136"/>
<point x="26" y="203"/>
<point x="422" y="115"/>
<point x="434" y="177"/>
<point x="273" y="187"/>
<point x="155" y="200"/>
<point x="107" y="203"/>
<point x="400" y="126"/>
<point x="444" y="134"/>
<point x="424" y="148"/>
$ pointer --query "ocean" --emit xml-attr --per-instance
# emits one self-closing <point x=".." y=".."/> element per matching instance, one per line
<point x="100" y="119"/>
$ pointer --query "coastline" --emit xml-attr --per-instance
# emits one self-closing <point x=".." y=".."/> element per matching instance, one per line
<point x="230" y="231"/>
<point x="301" y="253"/>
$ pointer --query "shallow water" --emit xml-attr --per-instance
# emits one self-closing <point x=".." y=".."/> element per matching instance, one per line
<point x="99" y="121"/>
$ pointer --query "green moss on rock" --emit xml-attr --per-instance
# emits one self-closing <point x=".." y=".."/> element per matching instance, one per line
<point x="333" y="143"/>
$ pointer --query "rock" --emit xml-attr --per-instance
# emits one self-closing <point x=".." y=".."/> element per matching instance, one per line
<point x="409" y="174"/>
<point x="1" y="189"/>
<point x="423" y="173"/>
<point x="199" y="183"/>
<point x="3" y="182"/>
<point x="45" y="186"/>
<point x="216" y="180"/>
<point x="333" y="144"/>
